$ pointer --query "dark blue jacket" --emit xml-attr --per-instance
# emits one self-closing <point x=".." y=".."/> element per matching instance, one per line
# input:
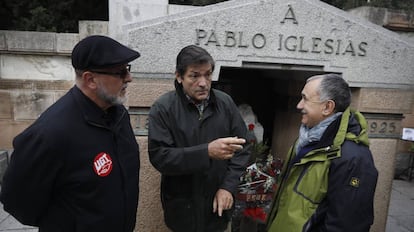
<point x="75" y="169"/>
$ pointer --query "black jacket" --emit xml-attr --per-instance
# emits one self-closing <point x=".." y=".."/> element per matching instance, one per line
<point x="75" y="169"/>
<point x="178" y="147"/>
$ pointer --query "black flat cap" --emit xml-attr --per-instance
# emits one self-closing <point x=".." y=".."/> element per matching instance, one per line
<point x="96" y="51"/>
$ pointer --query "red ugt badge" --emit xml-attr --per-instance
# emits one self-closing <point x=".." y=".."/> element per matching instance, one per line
<point x="102" y="165"/>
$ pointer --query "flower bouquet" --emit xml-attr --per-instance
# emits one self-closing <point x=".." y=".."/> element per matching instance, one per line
<point x="259" y="181"/>
<point x="256" y="189"/>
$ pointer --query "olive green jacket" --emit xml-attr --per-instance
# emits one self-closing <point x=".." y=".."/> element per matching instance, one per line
<point x="331" y="188"/>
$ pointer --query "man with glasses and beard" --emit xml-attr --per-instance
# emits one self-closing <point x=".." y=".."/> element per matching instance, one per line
<point x="76" y="167"/>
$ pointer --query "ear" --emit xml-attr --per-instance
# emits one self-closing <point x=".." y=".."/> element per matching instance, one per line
<point x="329" y="108"/>
<point x="178" y="77"/>
<point x="89" y="80"/>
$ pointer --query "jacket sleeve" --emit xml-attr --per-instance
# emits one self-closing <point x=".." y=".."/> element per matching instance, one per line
<point x="163" y="153"/>
<point x="236" y="165"/>
<point x="28" y="181"/>
<point x="352" y="183"/>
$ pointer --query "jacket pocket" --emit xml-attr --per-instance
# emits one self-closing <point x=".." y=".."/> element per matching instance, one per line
<point x="312" y="183"/>
<point x="179" y="215"/>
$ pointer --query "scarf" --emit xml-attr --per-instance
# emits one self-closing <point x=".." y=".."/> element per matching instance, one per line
<point x="314" y="134"/>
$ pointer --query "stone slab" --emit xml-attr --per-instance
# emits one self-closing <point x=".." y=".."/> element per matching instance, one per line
<point x="37" y="42"/>
<point x="384" y="100"/>
<point x="383" y="151"/>
<point x="12" y="84"/>
<point x="35" y="67"/>
<point x="30" y="41"/>
<point x="88" y="27"/>
<point x="28" y="105"/>
<point x="150" y="214"/>
<point x="9" y="129"/>
<point x="274" y="32"/>
<point x="3" y="44"/>
<point x="142" y="92"/>
<point x="5" y="106"/>
<point x="65" y="42"/>
<point x="124" y="12"/>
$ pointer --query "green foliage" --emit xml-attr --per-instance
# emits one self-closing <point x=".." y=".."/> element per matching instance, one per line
<point x="40" y="20"/>
<point x="195" y="2"/>
<point x="407" y="5"/>
<point x="49" y="15"/>
<point x="259" y="151"/>
<point x="64" y="15"/>
<point x="391" y="4"/>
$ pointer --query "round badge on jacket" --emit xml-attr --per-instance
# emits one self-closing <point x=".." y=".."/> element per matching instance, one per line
<point x="102" y="164"/>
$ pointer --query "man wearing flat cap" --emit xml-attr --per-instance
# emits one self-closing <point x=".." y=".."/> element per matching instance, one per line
<point x="76" y="167"/>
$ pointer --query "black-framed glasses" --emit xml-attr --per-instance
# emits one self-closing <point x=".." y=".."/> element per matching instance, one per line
<point x="122" y="73"/>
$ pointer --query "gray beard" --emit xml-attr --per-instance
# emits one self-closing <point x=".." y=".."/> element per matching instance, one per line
<point x="108" y="98"/>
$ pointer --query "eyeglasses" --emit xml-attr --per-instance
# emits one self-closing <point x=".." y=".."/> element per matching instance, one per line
<point x="122" y="73"/>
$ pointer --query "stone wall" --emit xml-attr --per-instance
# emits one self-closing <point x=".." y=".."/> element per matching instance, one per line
<point x="386" y="110"/>
<point x="402" y="23"/>
<point x="396" y="20"/>
<point x="35" y="70"/>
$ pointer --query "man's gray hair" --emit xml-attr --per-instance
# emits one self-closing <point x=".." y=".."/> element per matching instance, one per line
<point x="334" y="87"/>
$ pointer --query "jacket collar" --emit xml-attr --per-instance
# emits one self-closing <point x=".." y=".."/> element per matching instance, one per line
<point x="351" y="125"/>
<point x="93" y="114"/>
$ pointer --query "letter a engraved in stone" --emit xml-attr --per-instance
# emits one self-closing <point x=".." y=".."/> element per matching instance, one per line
<point x="212" y="39"/>
<point x="290" y="15"/>
<point x="200" y="34"/>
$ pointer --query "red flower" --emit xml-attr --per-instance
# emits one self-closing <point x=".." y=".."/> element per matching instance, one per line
<point x="251" y="126"/>
<point x="255" y="213"/>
